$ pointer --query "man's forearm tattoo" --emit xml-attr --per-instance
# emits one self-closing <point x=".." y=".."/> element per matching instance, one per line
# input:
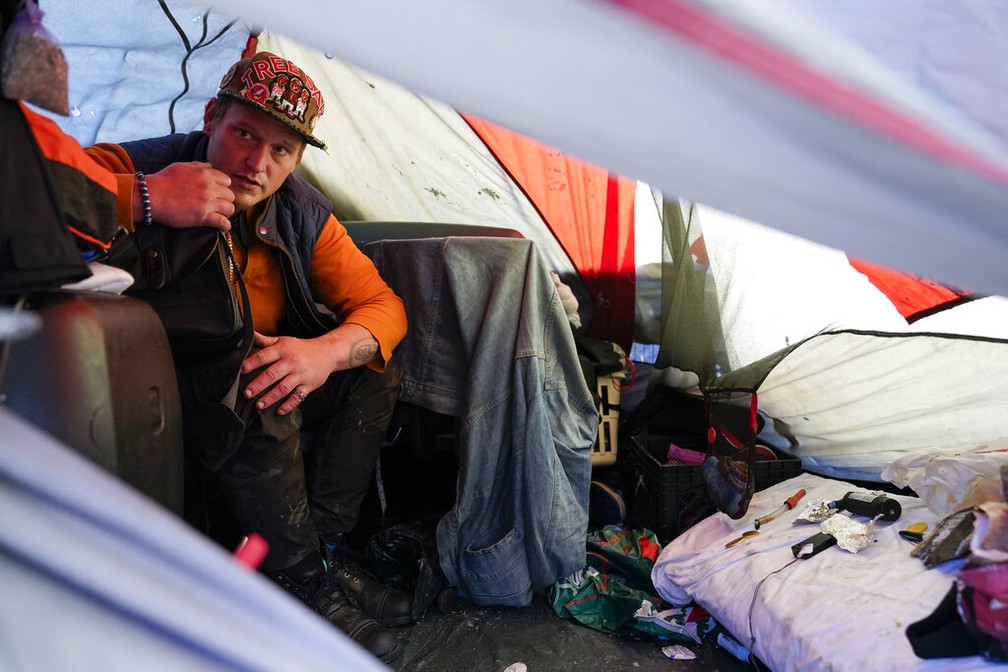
<point x="363" y="352"/>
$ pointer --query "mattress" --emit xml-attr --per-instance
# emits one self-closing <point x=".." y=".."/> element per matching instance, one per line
<point x="837" y="610"/>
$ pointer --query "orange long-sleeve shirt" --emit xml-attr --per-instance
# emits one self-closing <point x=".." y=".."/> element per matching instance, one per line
<point x="342" y="277"/>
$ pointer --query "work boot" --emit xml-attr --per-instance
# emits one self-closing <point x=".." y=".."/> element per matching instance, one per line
<point x="334" y="606"/>
<point x="387" y="605"/>
<point x="324" y="596"/>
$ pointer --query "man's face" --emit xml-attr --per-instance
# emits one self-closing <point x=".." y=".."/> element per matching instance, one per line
<point x="255" y="151"/>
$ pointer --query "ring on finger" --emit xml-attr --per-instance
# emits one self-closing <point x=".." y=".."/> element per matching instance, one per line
<point x="300" y="395"/>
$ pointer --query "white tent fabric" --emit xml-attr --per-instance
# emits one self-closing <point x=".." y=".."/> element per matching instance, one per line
<point x="672" y="114"/>
<point x="762" y="275"/>
<point x="843" y="376"/>
<point x="662" y="91"/>
<point x="847" y="399"/>
<point x="126" y="76"/>
<point x="948" y="50"/>
<point x="424" y="163"/>
<point x="99" y="577"/>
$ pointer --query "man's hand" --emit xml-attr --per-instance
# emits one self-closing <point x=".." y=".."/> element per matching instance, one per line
<point x="294" y="367"/>
<point x="189" y="194"/>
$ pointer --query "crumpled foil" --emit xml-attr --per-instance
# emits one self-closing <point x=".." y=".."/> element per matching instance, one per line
<point x="851" y="535"/>
<point x="816" y="511"/>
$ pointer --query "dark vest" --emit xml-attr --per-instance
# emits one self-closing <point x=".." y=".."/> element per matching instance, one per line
<point x="292" y="225"/>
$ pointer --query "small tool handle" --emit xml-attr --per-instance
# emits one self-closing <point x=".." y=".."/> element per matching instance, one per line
<point x="793" y="500"/>
<point x="788" y="504"/>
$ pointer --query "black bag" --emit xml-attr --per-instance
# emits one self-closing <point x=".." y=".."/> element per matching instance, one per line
<point x="191" y="280"/>
<point x="37" y="252"/>
<point x="405" y="557"/>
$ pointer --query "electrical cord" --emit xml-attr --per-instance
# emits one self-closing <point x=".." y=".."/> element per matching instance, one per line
<point x="752" y="605"/>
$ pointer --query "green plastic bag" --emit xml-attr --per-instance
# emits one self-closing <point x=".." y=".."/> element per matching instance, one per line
<point x="626" y="555"/>
<point x="614" y="592"/>
<point x="593" y="599"/>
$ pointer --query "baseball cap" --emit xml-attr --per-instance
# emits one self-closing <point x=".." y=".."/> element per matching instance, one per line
<point x="280" y="89"/>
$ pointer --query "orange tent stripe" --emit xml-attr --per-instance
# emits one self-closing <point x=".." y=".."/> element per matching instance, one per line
<point x="914" y="296"/>
<point x="591" y="214"/>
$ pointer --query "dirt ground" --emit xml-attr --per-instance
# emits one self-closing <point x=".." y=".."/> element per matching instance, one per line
<point x="468" y="638"/>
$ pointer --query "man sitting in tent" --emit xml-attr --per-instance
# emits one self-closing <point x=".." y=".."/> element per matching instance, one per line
<point x="318" y="389"/>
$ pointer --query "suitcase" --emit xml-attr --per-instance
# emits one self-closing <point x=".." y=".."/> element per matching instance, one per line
<point x="99" y="377"/>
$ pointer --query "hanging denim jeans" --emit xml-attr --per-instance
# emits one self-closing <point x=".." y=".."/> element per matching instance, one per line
<point x="490" y="343"/>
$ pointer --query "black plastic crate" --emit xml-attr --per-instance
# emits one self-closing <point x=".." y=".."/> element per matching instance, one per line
<point x="669" y="498"/>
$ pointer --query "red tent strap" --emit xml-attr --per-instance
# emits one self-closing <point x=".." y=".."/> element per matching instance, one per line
<point x="718" y="427"/>
<point x="753" y="409"/>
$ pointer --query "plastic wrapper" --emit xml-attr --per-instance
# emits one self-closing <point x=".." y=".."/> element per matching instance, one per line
<point x="678" y="652"/>
<point x="34" y="68"/>
<point x="851" y="535"/>
<point x="586" y="596"/>
<point x="679" y="622"/>
<point x="948" y="483"/>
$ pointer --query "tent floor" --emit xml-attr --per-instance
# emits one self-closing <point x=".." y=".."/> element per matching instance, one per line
<point x="468" y="638"/>
<point x="465" y="637"/>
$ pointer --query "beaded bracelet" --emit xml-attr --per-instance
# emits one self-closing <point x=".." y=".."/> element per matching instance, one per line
<point x="148" y="216"/>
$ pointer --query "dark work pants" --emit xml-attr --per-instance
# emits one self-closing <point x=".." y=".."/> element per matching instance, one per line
<point x="293" y="478"/>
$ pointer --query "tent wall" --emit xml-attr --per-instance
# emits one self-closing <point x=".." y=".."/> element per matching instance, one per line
<point x="632" y="87"/>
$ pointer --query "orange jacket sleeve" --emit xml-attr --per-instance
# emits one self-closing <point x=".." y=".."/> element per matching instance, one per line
<point x="346" y="281"/>
<point x="115" y="160"/>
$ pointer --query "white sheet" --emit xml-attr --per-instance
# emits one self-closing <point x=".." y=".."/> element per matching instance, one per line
<point x="836" y="610"/>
